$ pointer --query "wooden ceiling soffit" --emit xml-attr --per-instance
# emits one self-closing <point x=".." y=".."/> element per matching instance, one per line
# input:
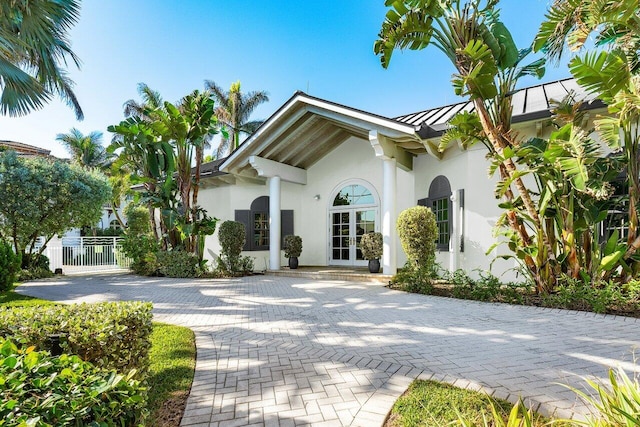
<point x="275" y="141"/>
<point x="227" y="179"/>
<point x="308" y="158"/>
<point x="251" y="180"/>
<point x="326" y="132"/>
<point x="414" y="147"/>
<point x="284" y="144"/>
<point x="237" y="159"/>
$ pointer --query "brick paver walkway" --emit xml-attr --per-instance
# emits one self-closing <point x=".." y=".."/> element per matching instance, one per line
<point x="278" y="351"/>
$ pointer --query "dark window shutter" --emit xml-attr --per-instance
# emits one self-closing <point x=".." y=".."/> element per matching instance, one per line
<point x="260" y="204"/>
<point x="286" y="224"/>
<point x="461" y="221"/>
<point x="245" y="218"/>
<point x="424" y="202"/>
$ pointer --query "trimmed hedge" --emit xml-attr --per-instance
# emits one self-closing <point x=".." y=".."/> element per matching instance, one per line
<point x="418" y="232"/>
<point x="112" y="335"/>
<point x="177" y="263"/>
<point x="231" y="236"/>
<point x="41" y="390"/>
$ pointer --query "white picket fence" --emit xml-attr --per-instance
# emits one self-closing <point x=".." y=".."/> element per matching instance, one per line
<point x="87" y="254"/>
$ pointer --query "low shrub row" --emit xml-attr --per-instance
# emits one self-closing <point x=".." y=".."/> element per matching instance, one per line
<point x="607" y="297"/>
<point x="42" y="390"/>
<point x="110" y="335"/>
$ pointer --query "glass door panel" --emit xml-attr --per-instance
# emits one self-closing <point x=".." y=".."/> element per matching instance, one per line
<point x="347" y="228"/>
<point x="365" y="222"/>
<point x="340" y="236"/>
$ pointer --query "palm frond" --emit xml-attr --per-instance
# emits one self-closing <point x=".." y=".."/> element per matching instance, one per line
<point x="34" y="40"/>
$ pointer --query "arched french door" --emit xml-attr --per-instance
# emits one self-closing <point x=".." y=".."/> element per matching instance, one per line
<point x="354" y="210"/>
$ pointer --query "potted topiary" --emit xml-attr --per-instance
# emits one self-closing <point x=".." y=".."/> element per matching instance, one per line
<point x="292" y="249"/>
<point x="371" y="247"/>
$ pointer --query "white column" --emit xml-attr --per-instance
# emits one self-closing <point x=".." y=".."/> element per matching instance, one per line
<point x="389" y="255"/>
<point x="274" y="223"/>
<point x="454" y="244"/>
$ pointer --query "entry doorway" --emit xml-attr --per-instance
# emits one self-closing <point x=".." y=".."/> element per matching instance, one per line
<point x="354" y="211"/>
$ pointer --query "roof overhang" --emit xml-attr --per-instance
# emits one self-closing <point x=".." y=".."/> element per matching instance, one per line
<point x="305" y="129"/>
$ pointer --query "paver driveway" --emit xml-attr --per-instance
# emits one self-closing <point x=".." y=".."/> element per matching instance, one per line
<point x="290" y="351"/>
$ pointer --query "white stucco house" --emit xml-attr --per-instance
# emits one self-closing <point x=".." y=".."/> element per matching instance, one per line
<point x="329" y="173"/>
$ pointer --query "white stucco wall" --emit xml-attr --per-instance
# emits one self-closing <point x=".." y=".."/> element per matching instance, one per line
<point x="354" y="159"/>
<point x="468" y="170"/>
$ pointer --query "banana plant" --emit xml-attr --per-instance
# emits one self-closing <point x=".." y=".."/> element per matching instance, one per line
<point x="612" y="74"/>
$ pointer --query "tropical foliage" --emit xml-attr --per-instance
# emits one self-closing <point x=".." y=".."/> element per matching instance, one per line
<point x="43" y="197"/>
<point x="33" y="49"/>
<point x="161" y="146"/>
<point x="553" y="221"/>
<point x="234" y="110"/>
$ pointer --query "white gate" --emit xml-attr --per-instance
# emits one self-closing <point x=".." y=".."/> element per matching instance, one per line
<point x="87" y="254"/>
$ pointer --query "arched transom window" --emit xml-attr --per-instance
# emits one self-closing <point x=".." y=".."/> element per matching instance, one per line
<point x="354" y="194"/>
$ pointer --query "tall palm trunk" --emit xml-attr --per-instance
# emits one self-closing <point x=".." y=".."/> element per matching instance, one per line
<point x="508" y="171"/>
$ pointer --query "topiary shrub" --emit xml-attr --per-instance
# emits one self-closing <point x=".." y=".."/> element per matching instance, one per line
<point x="292" y="246"/>
<point x="42" y="390"/>
<point x="9" y="266"/>
<point x="418" y="232"/>
<point x="139" y="244"/>
<point x="371" y="245"/>
<point x="231" y="236"/>
<point x="177" y="264"/>
<point x="112" y="335"/>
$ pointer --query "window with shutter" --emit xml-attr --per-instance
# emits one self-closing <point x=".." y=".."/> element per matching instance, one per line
<point x="256" y="221"/>
<point x="439" y="201"/>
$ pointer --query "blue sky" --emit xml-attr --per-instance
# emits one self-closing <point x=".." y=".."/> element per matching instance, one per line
<point x="317" y="46"/>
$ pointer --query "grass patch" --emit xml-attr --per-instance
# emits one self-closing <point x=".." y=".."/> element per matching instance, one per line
<point x="14" y="299"/>
<point x="171" y="370"/>
<point x="430" y="403"/>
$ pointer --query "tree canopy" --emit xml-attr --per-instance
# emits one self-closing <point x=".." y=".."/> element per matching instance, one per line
<point x="43" y="197"/>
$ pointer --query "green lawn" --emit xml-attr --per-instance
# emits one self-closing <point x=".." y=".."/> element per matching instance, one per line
<point x="430" y="403"/>
<point x="172" y="362"/>
<point x="13" y="299"/>
<point x="173" y="353"/>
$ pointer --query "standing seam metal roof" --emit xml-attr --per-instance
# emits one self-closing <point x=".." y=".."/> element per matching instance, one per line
<point x="530" y="103"/>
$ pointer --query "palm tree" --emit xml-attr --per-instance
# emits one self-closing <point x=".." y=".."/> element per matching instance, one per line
<point x="86" y="150"/>
<point x="484" y="55"/>
<point x="151" y="99"/>
<point x="233" y="111"/>
<point x="33" y="47"/>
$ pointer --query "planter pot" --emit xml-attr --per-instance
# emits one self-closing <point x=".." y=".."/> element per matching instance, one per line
<point x="293" y="262"/>
<point x="374" y="266"/>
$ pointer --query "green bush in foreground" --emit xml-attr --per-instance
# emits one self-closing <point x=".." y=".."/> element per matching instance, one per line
<point x="113" y="335"/>
<point x="9" y="266"/>
<point x="177" y="263"/>
<point x="232" y="238"/>
<point x="418" y="231"/>
<point x="40" y="390"/>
